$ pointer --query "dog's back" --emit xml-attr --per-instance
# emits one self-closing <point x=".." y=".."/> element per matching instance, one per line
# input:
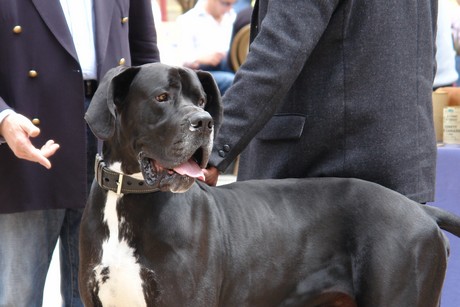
<point x="272" y="242"/>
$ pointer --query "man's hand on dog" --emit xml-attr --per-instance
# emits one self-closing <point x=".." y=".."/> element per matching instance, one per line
<point x="211" y="175"/>
<point x="17" y="129"/>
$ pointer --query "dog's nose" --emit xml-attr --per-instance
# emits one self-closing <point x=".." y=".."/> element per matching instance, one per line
<point x="201" y="121"/>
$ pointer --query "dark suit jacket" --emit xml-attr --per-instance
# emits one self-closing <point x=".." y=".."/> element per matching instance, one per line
<point x="55" y="95"/>
<point x="336" y="88"/>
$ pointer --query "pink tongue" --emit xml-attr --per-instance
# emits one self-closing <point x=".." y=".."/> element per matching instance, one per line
<point x="191" y="169"/>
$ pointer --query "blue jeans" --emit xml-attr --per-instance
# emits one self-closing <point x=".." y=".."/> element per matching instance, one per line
<point x="222" y="74"/>
<point x="457" y="66"/>
<point x="224" y="80"/>
<point x="27" y="242"/>
<point x="241" y="4"/>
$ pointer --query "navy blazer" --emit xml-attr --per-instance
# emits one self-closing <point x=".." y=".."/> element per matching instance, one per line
<point x="34" y="36"/>
<point x="336" y="88"/>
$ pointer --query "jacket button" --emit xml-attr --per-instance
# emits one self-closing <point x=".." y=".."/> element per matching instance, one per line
<point x="36" y="121"/>
<point x="17" y="29"/>
<point x="226" y="148"/>
<point x="122" y="61"/>
<point x="33" y="73"/>
<point x="222" y="153"/>
<point x="124" y="20"/>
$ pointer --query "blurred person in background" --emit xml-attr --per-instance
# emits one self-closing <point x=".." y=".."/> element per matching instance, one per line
<point x="241" y="5"/>
<point x="446" y="72"/>
<point x="243" y="18"/>
<point x="205" y="33"/>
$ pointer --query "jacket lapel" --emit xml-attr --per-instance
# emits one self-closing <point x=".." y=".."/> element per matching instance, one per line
<point x="103" y="11"/>
<point x="52" y="15"/>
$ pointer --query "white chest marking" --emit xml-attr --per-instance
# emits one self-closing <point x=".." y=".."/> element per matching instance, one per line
<point x="118" y="274"/>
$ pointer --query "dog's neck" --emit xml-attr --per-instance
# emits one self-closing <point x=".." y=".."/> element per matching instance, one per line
<point x="111" y="177"/>
<point x="119" y="152"/>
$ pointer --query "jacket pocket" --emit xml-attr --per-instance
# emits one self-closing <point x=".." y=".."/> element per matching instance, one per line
<point x="283" y="127"/>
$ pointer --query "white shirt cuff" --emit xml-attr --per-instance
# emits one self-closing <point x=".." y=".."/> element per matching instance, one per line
<point x="4" y="114"/>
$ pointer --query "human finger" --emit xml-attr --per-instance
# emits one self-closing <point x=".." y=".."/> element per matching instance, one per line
<point x="211" y="175"/>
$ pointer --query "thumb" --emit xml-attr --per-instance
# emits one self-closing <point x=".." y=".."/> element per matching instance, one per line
<point x="30" y="128"/>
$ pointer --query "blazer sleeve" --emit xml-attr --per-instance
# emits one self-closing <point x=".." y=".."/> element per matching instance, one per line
<point x="286" y="37"/>
<point x="142" y="33"/>
<point x="3" y="105"/>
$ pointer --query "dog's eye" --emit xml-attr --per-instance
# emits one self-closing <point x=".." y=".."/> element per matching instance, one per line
<point x="162" y="97"/>
<point x="201" y="102"/>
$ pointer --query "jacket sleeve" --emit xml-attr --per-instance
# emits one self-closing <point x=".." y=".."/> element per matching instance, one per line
<point x="142" y="33"/>
<point x="283" y="42"/>
<point x="3" y="105"/>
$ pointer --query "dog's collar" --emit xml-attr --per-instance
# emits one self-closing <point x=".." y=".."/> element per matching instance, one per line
<point x="110" y="180"/>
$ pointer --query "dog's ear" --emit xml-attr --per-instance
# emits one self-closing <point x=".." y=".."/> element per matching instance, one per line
<point x="214" y="100"/>
<point x="111" y="91"/>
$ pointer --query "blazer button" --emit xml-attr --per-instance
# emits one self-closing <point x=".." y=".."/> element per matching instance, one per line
<point x="17" y="29"/>
<point x="124" y="20"/>
<point x="36" y="121"/>
<point x="226" y="148"/>
<point x="122" y="61"/>
<point x="33" y="73"/>
<point x="222" y="153"/>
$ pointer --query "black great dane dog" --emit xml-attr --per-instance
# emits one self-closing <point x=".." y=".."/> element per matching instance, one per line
<point x="152" y="235"/>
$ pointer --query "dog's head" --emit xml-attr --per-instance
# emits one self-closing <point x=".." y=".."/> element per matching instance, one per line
<point x="158" y="120"/>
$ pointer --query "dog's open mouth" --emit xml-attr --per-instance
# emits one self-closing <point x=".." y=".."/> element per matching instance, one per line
<point x="152" y="170"/>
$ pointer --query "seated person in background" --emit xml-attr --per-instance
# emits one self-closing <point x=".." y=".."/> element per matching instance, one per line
<point x="241" y="5"/>
<point x="446" y="72"/>
<point x="243" y="18"/>
<point x="455" y="14"/>
<point x="205" y="39"/>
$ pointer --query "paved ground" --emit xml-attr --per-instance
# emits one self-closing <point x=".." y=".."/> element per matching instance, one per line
<point x="52" y="297"/>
